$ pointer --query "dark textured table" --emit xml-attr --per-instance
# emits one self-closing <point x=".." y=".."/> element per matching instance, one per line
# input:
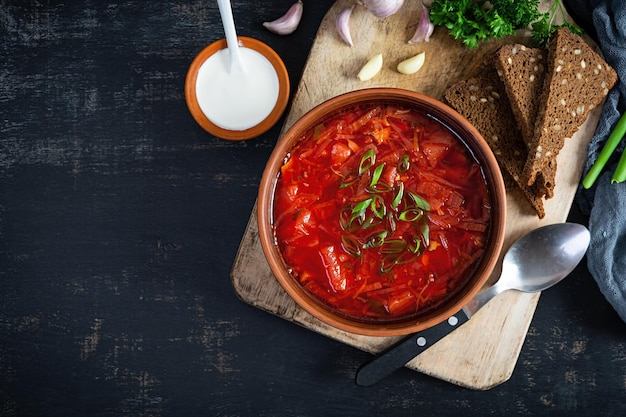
<point x="120" y="219"/>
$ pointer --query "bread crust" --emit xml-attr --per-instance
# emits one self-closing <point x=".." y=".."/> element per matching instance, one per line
<point x="529" y="101"/>
<point x="578" y="80"/>
<point x="522" y="70"/>
<point x="482" y="101"/>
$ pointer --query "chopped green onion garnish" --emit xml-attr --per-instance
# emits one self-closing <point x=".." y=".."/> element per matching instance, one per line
<point x="367" y="161"/>
<point x="393" y="246"/>
<point x="370" y="221"/>
<point x="406" y="257"/>
<point x="383" y="204"/>
<point x="376" y="175"/>
<point x="381" y="187"/>
<point x="361" y="206"/>
<point x="392" y="222"/>
<point x="388" y="263"/>
<point x="376" y="240"/>
<point x="399" y="193"/>
<point x="351" y="246"/>
<point x="359" y="210"/>
<point x="410" y="215"/>
<point x="350" y="178"/>
<point x="426" y="234"/>
<point x="414" y="246"/>
<point x="378" y="206"/>
<point x="345" y="217"/>
<point x="404" y="164"/>
<point x="420" y="201"/>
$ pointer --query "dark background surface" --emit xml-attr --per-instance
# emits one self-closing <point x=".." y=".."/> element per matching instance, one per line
<point x="120" y="219"/>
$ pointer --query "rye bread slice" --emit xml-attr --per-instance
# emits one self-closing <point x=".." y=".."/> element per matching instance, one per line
<point x="578" y="80"/>
<point x="522" y="69"/>
<point x="482" y="101"/>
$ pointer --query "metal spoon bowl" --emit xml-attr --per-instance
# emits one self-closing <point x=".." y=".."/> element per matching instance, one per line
<point x="535" y="262"/>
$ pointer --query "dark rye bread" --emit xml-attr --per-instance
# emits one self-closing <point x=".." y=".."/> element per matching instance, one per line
<point x="578" y="79"/>
<point x="482" y="101"/>
<point x="522" y="70"/>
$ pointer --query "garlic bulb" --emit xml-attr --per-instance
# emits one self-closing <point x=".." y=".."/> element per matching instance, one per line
<point x="382" y="8"/>
<point x="343" y="24"/>
<point x="424" y="29"/>
<point x="379" y="8"/>
<point x="287" y="23"/>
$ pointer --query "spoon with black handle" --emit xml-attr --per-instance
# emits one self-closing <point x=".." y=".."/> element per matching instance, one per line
<point x="535" y="262"/>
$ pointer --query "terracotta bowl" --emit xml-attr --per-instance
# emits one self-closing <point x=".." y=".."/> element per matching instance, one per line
<point x="254" y="131"/>
<point x="494" y="238"/>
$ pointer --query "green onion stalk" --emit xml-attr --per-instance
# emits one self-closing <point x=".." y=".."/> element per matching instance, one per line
<point x="609" y="147"/>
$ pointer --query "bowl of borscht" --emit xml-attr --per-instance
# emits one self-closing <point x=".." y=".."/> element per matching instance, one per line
<point x="381" y="212"/>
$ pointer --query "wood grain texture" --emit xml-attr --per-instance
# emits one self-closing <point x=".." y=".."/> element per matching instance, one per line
<point x="484" y="352"/>
<point x="120" y="219"/>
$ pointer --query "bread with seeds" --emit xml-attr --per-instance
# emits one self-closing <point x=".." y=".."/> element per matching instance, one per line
<point x="522" y="70"/>
<point x="483" y="102"/>
<point x="577" y="80"/>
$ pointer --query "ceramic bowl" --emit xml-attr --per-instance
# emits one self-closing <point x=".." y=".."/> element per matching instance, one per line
<point x="214" y="128"/>
<point x="494" y="238"/>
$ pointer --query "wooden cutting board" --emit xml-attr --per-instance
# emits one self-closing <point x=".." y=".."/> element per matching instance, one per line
<point x="484" y="352"/>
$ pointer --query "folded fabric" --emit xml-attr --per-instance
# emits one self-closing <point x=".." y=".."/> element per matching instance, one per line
<point x="605" y="203"/>
<point x="606" y="258"/>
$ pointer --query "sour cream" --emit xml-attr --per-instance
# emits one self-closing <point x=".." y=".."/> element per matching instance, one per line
<point x="237" y="100"/>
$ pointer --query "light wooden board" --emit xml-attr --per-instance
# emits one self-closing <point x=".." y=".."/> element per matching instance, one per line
<point x="483" y="353"/>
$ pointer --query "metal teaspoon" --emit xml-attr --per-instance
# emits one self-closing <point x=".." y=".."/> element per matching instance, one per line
<point x="535" y="262"/>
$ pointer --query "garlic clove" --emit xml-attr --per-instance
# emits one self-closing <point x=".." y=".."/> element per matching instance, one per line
<point x="287" y="23"/>
<point x="382" y="8"/>
<point x="371" y="68"/>
<point x="343" y="24"/>
<point x="412" y="65"/>
<point x="424" y="29"/>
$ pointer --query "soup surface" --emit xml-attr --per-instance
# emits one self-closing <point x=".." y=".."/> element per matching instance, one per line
<point x="381" y="212"/>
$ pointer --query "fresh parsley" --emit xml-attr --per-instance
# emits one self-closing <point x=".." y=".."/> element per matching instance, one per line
<point x="475" y="21"/>
<point x="544" y="28"/>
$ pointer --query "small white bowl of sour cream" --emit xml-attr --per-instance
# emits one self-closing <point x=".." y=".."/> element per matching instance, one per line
<point x="242" y="104"/>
